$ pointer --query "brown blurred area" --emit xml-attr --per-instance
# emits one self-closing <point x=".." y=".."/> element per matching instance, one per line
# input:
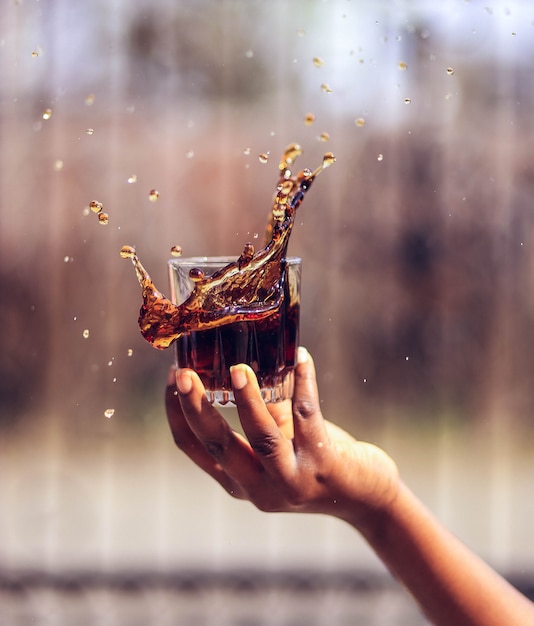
<point x="418" y="245"/>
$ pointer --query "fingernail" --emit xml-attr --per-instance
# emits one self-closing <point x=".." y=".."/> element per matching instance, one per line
<point x="302" y="354"/>
<point x="239" y="377"/>
<point x="184" y="381"/>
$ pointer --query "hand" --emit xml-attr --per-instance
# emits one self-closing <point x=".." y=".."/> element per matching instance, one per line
<point x="291" y="459"/>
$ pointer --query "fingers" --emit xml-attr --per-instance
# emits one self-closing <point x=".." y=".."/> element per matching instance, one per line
<point x="227" y="449"/>
<point x="270" y="454"/>
<point x="187" y="441"/>
<point x="272" y="448"/>
<point x="309" y="426"/>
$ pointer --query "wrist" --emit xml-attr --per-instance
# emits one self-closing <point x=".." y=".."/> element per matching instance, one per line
<point x="373" y="516"/>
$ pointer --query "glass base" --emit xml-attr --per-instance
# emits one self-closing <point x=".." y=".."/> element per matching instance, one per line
<point x="277" y="393"/>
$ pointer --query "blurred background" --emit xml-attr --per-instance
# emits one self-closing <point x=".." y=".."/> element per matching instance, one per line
<point x="418" y="289"/>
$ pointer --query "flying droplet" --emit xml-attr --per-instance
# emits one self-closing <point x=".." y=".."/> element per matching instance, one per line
<point x="318" y="62"/>
<point x="130" y="352"/>
<point x="85" y="334"/>
<point x="263" y="157"/>
<point x="103" y="218"/>
<point x="407" y="100"/>
<point x="95" y="206"/>
<point x="380" y="157"/>
<point x="132" y="179"/>
<point x="246" y="151"/>
<point x="326" y="88"/>
<point x="127" y="252"/>
<point x="249" y="54"/>
<point x="47" y="114"/>
<point x="328" y="159"/>
<point x="403" y="66"/>
<point x="89" y="131"/>
<point x="324" y="137"/>
<point x="153" y="195"/>
<point x="35" y="53"/>
<point x="450" y="71"/>
<point x="189" y="154"/>
<point x="176" y="251"/>
<point x="360" y="122"/>
<point x="109" y="413"/>
<point x="89" y="99"/>
<point x="58" y="165"/>
<point x="309" y="119"/>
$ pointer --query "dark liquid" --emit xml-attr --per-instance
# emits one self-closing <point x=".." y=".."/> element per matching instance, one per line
<point x="248" y="298"/>
<point x="269" y="346"/>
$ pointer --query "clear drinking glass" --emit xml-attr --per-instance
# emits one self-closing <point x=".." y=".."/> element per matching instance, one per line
<point x="268" y="345"/>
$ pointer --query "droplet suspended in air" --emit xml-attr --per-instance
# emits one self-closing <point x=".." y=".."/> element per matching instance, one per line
<point x="35" y="53"/>
<point x="326" y="88"/>
<point x="130" y="352"/>
<point x="328" y="159"/>
<point x="58" y="165"/>
<point x="153" y="195"/>
<point x="407" y="100"/>
<point x="96" y="206"/>
<point x="127" y="252"/>
<point x="85" y="333"/>
<point x="89" y="99"/>
<point x="450" y="71"/>
<point x="263" y="157"/>
<point x="47" y="114"/>
<point x="403" y="66"/>
<point x="109" y="413"/>
<point x="89" y="131"/>
<point x="309" y="119"/>
<point x="176" y="251"/>
<point x="360" y="122"/>
<point x="318" y="62"/>
<point x="103" y="218"/>
<point x="132" y="179"/>
<point x="324" y="137"/>
<point x="246" y="151"/>
<point x="380" y="157"/>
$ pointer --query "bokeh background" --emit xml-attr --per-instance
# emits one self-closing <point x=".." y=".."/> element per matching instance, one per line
<point x="418" y="292"/>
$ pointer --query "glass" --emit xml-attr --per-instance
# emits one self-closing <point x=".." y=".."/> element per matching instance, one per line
<point x="269" y="345"/>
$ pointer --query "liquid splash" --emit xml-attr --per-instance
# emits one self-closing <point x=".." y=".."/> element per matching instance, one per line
<point x="248" y="289"/>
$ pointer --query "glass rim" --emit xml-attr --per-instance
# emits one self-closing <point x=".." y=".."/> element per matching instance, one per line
<point x="194" y="261"/>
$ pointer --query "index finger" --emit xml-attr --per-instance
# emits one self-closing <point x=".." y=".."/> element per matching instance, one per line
<point x="274" y="450"/>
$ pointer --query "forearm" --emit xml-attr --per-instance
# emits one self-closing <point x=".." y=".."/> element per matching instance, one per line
<point x="450" y="583"/>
